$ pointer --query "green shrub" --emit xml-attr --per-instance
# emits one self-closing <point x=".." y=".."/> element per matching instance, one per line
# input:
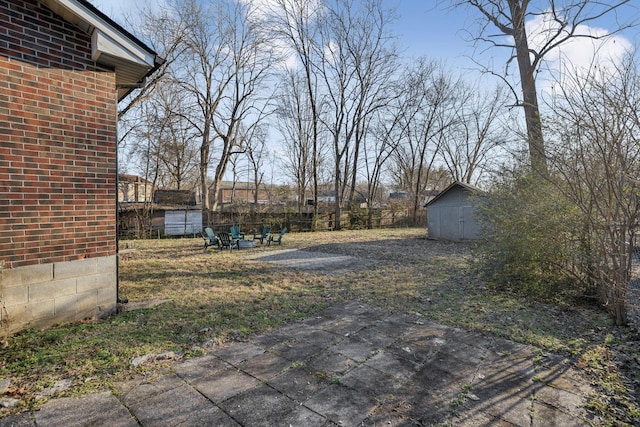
<point x="529" y="243"/>
<point x="357" y="218"/>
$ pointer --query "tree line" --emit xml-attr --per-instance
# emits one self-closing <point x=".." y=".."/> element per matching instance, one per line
<point x="329" y="81"/>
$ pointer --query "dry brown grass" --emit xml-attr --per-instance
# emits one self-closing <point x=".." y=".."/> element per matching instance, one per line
<point x="218" y="296"/>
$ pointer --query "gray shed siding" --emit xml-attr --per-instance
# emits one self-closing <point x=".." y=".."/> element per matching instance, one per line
<point x="452" y="216"/>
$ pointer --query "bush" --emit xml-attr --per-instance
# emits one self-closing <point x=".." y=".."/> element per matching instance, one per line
<point x="529" y="243"/>
<point x="357" y="218"/>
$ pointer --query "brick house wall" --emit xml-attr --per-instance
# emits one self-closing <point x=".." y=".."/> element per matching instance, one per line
<point x="57" y="171"/>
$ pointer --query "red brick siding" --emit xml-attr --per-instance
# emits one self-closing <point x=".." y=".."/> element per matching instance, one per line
<point x="57" y="141"/>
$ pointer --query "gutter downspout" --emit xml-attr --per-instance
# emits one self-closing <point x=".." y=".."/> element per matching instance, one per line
<point x="118" y="300"/>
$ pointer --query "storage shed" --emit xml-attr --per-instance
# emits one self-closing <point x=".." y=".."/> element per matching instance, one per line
<point x="64" y="66"/>
<point x="451" y="215"/>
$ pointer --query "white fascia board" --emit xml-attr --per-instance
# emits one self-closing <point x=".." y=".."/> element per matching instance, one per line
<point x="101" y="43"/>
<point x="108" y="37"/>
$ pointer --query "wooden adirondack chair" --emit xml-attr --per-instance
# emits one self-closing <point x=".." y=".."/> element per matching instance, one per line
<point x="236" y="233"/>
<point x="263" y="235"/>
<point x="227" y="241"/>
<point x="210" y="238"/>
<point x="278" y="239"/>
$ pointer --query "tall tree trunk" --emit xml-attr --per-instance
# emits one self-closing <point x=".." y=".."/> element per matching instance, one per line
<point x="529" y="93"/>
<point x="204" y="165"/>
<point x="337" y="203"/>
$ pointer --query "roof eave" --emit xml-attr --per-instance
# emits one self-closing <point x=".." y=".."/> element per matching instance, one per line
<point x="111" y="45"/>
<point x="463" y="185"/>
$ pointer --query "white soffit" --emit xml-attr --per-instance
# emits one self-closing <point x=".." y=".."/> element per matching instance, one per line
<point x="110" y="46"/>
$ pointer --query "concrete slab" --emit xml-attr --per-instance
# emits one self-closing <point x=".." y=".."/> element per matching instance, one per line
<point x="235" y="353"/>
<point x="398" y="369"/>
<point x="201" y="368"/>
<point x="170" y="401"/>
<point x="299" y="383"/>
<point x="262" y="406"/>
<point x="302" y="416"/>
<point x="371" y="382"/>
<point x="355" y="350"/>
<point x="223" y="385"/>
<point x="96" y="409"/>
<point x="332" y="363"/>
<point x="298" y="351"/>
<point x="349" y="365"/>
<point x="21" y="420"/>
<point x="342" y="405"/>
<point x="265" y="366"/>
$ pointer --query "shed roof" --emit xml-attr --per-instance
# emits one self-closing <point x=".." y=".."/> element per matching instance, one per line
<point x="454" y="185"/>
<point x="111" y="45"/>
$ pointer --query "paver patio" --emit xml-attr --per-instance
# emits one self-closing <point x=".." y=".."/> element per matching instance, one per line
<point x="350" y="365"/>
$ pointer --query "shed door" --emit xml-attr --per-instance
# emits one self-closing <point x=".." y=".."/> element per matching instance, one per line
<point x="469" y="228"/>
<point x="449" y="222"/>
<point x="453" y="223"/>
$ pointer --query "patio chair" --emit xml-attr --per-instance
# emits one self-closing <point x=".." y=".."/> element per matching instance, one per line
<point x="210" y="238"/>
<point x="225" y="240"/>
<point x="278" y="239"/>
<point x="263" y="235"/>
<point x="236" y="234"/>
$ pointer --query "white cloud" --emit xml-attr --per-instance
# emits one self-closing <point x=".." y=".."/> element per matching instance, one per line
<point x="593" y="46"/>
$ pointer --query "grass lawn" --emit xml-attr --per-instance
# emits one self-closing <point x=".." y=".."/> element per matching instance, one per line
<point x="196" y="299"/>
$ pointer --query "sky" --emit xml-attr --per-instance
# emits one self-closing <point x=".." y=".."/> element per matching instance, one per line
<point x="424" y="28"/>
<point x="439" y="33"/>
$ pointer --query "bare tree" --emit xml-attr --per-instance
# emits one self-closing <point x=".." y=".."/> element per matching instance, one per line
<point x="472" y="143"/>
<point x="563" y="19"/>
<point x="296" y="23"/>
<point x="597" y="160"/>
<point x="295" y="123"/>
<point x="429" y="110"/>
<point x="177" y="141"/>
<point x="256" y="153"/>
<point x="383" y="138"/>
<point x="357" y="68"/>
<point x="246" y="105"/>
<point x="144" y="150"/>
<point x="225" y="61"/>
<point x="164" y="31"/>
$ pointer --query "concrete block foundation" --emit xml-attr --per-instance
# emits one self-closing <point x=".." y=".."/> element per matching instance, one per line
<point x="45" y="294"/>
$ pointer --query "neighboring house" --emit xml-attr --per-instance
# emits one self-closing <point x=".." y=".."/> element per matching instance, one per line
<point x="133" y="189"/>
<point x="327" y="197"/>
<point x="451" y="215"/>
<point x="427" y="195"/>
<point x="175" y="197"/>
<point x="64" y="65"/>
<point x="398" y="195"/>
<point x="240" y="192"/>
<point x="170" y="213"/>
